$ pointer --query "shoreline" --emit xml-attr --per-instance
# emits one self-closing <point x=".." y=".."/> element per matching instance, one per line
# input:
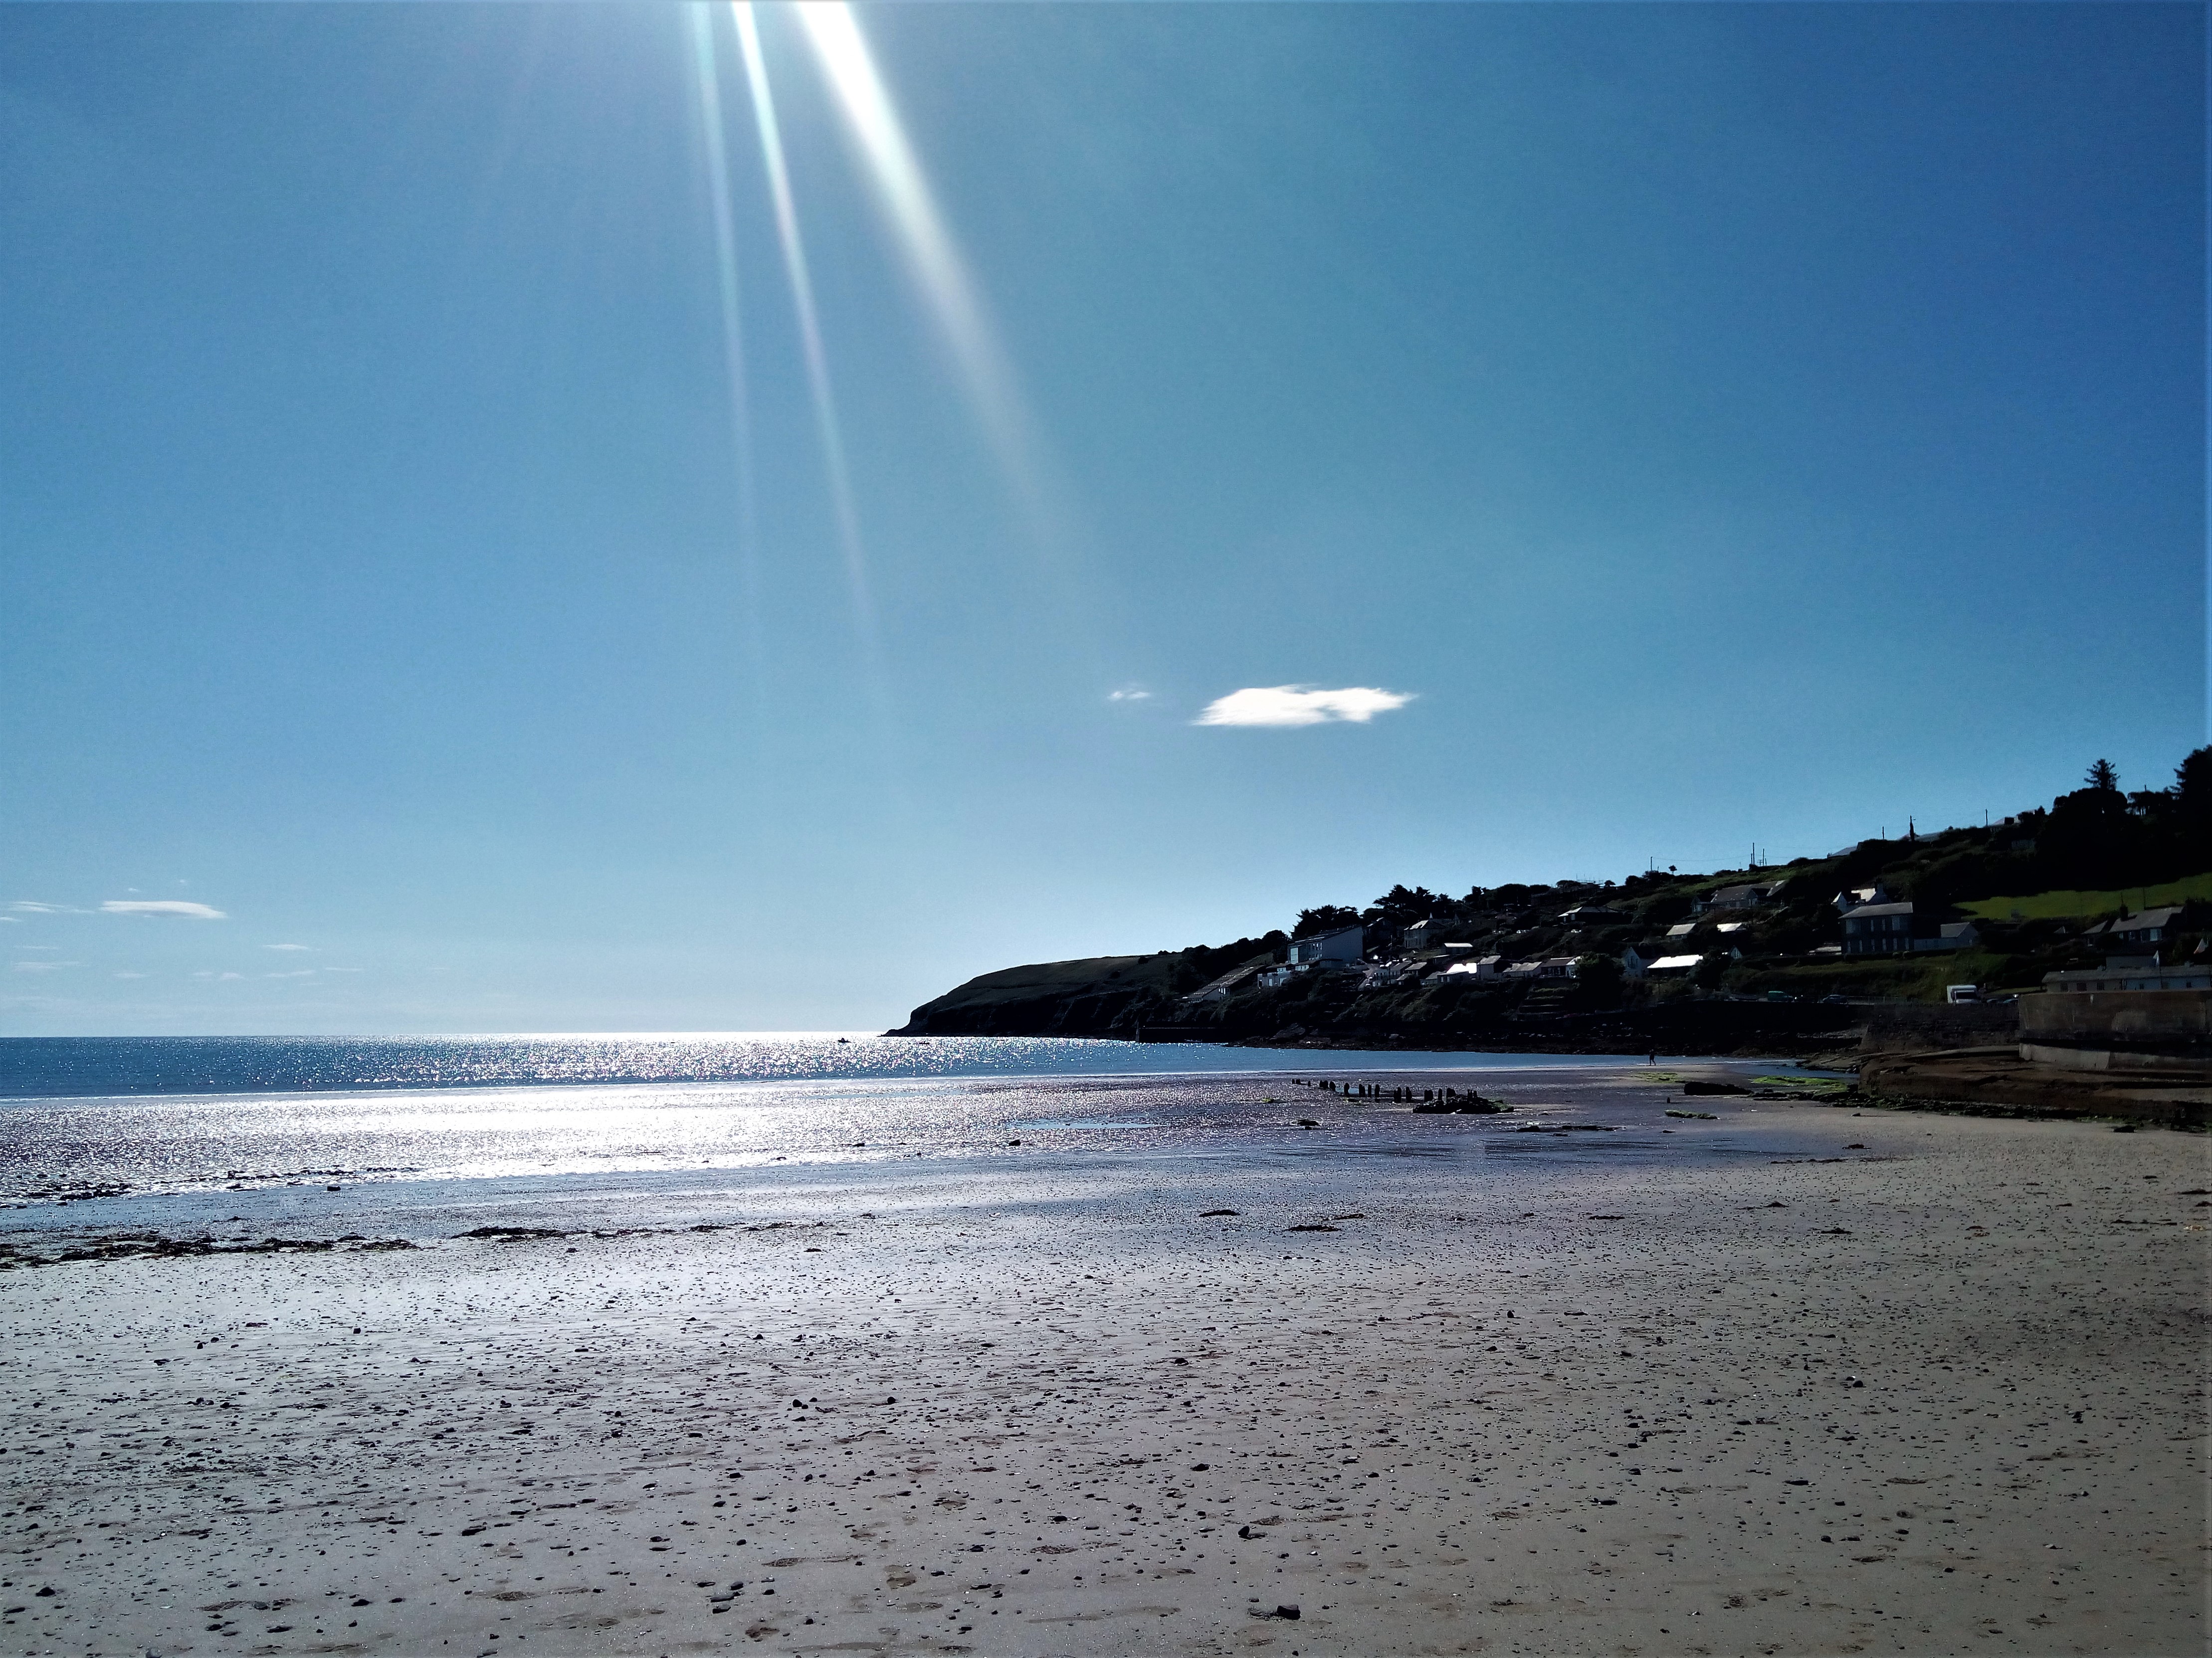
<point x="1831" y="1401"/>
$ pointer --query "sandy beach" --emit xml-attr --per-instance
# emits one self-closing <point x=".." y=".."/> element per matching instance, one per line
<point x="1937" y="1389"/>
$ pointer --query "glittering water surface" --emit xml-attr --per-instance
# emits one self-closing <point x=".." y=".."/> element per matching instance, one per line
<point x="412" y="1133"/>
<point x="57" y="1067"/>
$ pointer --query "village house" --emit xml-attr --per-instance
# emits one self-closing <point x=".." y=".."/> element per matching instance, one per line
<point x="1749" y="896"/>
<point x="1338" y="950"/>
<point x="1878" y="930"/>
<point x="1592" y="915"/>
<point x="2152" y="926"/>
<point x="1344" y="943"/>
<point x="1482" y="969"/>
<point x="1897" y="929"/>
<point x="1220" y="989"/>
<point x="2129" y="972"/>
<point x="1859" y="897"/>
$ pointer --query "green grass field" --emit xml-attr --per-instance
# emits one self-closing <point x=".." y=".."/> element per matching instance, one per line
<point x="2070" y="906"/>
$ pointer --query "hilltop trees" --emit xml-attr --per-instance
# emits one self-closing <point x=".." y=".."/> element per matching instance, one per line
<point x="2192" y="792"/>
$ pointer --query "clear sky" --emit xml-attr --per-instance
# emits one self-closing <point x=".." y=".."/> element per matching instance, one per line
<point x="1636" y="434"/>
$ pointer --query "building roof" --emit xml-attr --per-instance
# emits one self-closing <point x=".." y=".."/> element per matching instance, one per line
<point x="1865" y="910"/>
<point x="1674" y="961"/>
<point x="2164" y="916"/>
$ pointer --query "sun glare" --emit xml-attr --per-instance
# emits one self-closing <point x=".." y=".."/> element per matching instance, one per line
<point x="928" y="245"/>
<point x="802" y="299"/>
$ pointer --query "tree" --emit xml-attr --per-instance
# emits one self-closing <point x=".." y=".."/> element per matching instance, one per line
<point x="2105" y="776"/>
<point x="2192" y="786"/>
<point x="1599" y="979"/>
<point x="1324" y="917"/>
<point x="1401" y="906"/>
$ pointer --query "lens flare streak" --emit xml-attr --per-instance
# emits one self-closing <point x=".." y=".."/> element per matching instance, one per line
<point x="843" y="53"/>
<point x="733" y="338"/>
<point x="802" y="296"/>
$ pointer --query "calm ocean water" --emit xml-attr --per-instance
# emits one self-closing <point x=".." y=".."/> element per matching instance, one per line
<point x="409" y="1135"/>
<point x="64" y="1067"/>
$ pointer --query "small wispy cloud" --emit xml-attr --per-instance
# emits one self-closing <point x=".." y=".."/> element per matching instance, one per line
<point x="288" y="946"/>
<point x="42" y="967"/>
<point x="33" y="907"/>
<point x="161" y="907"/>
<point x="210" y="973"/>
<point x="300" y="972"/>
<point x="1129" y="694"/>
<point x="1300" y="705"/>
<point x="129" y="975"/>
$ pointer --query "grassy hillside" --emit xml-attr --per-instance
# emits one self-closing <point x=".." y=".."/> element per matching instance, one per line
<point x="2071" y="903"/>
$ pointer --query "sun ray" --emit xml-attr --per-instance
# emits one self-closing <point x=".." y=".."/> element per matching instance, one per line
<point x="931" y="251"/>
<point x="810" y="327"/>
<point x="734" y="340"/>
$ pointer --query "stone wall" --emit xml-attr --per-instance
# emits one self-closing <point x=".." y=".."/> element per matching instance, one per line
<point x="2147" y="1017"/>
<point x="1922" y="1027"/>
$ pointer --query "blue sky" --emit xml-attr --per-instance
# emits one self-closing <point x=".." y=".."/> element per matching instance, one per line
<point x="1703" y="425"/>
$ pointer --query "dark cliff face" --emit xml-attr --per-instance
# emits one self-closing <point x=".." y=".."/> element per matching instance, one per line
<point x="1100" y="996"/>
<point x="1134" y="998"/>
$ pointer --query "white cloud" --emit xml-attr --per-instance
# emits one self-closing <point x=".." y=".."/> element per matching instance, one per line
<point x="302" y="973"/>
<point x="129" y="975"/>
<point x="288" y="946"/>
<point x="161" y="907"/>
<point x="1300" y="705"/>
<point x="32" y="907"/>
<point x="12" y="920"/>
<point x="42" y="967"/>
<point x="1129" y="694"/>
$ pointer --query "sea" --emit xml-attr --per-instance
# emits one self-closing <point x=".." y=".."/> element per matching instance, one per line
<point x="418" y="1137"/>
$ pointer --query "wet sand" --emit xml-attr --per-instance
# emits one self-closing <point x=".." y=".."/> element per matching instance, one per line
<point x="1941" y="1395"/>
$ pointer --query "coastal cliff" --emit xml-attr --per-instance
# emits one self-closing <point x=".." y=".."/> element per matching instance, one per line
<point x="1768" y="960"/>
<point x="1141" y="999"/>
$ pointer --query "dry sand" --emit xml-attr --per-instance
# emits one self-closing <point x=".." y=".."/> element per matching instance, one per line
<point x="1941" y="1397"/>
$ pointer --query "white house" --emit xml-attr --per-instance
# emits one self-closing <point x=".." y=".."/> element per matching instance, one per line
<point x="1856" y="896"/>
<point x="1636" y="960"/>
<point x="1482" y="969"/>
